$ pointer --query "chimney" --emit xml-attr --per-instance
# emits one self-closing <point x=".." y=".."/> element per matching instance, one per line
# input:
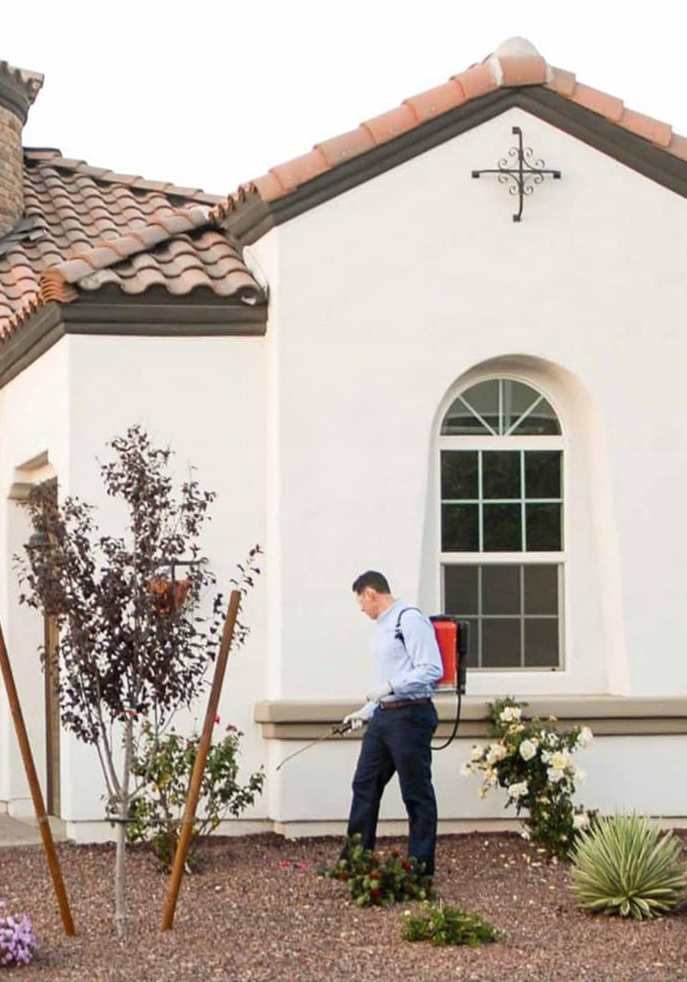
<point x="18" y="89"/>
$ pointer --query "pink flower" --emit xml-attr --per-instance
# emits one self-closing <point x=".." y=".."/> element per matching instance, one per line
<point x="285" y="864"/>
<point x="216" y="717"/>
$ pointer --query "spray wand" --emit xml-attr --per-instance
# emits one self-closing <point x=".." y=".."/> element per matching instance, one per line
<point x="337" y="730"/>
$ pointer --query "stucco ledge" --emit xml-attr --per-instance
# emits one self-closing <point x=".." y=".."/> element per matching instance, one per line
<point x="606" y="715"/>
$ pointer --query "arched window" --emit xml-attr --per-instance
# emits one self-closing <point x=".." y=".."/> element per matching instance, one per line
<point x="502" y="550"/>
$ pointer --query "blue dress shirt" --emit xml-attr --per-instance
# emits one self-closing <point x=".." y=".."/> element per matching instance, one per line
<point x="413" y="668"/>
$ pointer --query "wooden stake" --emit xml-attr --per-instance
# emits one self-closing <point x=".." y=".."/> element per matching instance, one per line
<point x="36" y="793"/>
<point x="199" y="766"/>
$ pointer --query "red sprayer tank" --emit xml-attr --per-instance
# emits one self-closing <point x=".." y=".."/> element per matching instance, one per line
<point x="447" y="639"/>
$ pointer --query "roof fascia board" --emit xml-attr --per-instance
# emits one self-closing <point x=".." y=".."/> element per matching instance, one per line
<point x="635" y="152"/>
<point x="29" y="341"/>
<point x="155" y="317"/>
<point x="250" y="221"/>
<point x="53" y="321"/>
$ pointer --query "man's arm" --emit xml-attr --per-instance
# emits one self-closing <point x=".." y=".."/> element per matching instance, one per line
<point x="421" y="644"/>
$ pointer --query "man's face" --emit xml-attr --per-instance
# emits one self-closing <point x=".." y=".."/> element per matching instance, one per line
<point x="369" y="602"/>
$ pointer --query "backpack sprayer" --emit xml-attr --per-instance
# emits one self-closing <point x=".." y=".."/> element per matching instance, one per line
<point x="452" y="637"/>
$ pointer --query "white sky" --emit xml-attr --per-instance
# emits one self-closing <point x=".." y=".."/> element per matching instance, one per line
<point x="210" y="94"/>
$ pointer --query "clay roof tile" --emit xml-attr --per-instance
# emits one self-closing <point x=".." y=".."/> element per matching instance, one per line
<point x="342" y="148"/>
<point x="436" y="101"/>
<point x="651" y="129"/>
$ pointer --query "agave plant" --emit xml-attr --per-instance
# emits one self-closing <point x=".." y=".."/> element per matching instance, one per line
<point x="624" y="865"/>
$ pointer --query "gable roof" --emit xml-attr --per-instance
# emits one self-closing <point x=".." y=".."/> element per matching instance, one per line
<point x="87" y="227"/>
<point x="516" y="68"/>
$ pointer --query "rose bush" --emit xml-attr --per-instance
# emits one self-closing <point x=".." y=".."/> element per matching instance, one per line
<point x="534" y="762"/>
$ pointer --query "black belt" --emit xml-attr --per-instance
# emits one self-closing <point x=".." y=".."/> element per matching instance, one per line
<point x="403" y="703"/>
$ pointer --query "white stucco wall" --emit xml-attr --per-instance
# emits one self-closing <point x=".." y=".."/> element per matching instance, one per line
<point x="385" y="297"/>
<point x="204" y="397"/>
<point x="33" y="422"/>
<point x="383" y="301"/>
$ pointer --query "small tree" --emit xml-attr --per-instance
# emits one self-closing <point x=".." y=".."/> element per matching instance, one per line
<point x="133" y="647"/>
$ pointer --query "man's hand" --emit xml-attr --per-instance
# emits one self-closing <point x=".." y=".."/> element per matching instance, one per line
<point x="374" y="695"/>
<point x="360" y="716"/>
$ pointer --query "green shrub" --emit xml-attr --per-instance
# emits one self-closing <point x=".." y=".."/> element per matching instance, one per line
<point x="443" y="924"/>
<point x="624" y="865"/>
<point x="375" y="881"/>
<point x="164" y="767"/>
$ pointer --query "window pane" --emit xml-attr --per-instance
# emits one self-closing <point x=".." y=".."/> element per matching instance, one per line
<point x="484" y="397"/>
<point x="459" y="474"/>
<point x="517" y="398"/>
<point x="459" y="528"/>
<point x="473" y="641"/>
<point x="460" y="590"/>
<point x="500" y="643"/>
<point x="541" y="589"/>
<point x="541" y="642"/>
<point x="502" y="528"/>
<point x="501" y="589"/>
<point x="543" y="474"/>
<point x="501" y="474"/>
<point x="543" y="528"/>
<point x="542" y="421"/>
<point x="461" y="420"/>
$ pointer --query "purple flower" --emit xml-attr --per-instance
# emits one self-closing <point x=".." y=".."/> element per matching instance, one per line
<point x="17" y="939"/>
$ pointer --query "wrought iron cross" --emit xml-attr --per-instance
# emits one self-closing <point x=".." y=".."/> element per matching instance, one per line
<point x="525" y="175"/>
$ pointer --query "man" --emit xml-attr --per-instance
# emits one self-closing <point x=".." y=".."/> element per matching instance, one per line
<point x="400" y="717"/>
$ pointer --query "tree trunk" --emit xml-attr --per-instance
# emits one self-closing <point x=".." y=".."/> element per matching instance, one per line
<point x="123" y="814"/>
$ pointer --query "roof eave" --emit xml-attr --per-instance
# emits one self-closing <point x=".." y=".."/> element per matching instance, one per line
<point x="252" y="217"/>
<point x="111" y="312"/>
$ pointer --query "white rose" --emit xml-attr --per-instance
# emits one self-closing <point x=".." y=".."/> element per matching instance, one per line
<point x="527" y="750"/>
<point x="554" y="775"/>
<point x="497" y="752"/>
<point x="476" y="752"/>
<point x="510" y="714"/>
<point x="518" y="790"/>
<point x="581" y="821"/>
<point x="560" y="760"/>
<point x="585" y="737"/>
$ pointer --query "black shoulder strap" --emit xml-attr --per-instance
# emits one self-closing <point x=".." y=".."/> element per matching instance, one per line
<point x="398" y="633"/>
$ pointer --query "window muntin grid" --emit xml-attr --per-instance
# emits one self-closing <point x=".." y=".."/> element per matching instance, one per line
<point x="512" y="609"/>
<point x="501" y="501"/>
<point x="500" y="407"/>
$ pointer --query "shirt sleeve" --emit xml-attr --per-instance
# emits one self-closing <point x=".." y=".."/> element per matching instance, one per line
<point x="421" y="644"/>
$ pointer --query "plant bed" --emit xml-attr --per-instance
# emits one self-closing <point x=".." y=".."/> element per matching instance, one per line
<point x="259" y="912"/>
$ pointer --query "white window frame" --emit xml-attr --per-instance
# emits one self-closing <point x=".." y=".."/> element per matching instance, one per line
<point x="487" y="442"/>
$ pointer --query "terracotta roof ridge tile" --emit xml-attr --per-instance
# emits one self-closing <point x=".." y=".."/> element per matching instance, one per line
<point x="513" y="64"/>
<point x="54" y="158"/>
<point x="142" y="238"/>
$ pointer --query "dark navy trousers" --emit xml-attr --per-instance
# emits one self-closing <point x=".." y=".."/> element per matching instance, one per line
<point x="398" y="741"/>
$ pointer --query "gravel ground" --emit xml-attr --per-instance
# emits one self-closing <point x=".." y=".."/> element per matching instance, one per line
<point x="260" y="911"/>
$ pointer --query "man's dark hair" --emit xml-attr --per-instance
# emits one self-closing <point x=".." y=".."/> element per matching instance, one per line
<point x="372" y="579"/>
